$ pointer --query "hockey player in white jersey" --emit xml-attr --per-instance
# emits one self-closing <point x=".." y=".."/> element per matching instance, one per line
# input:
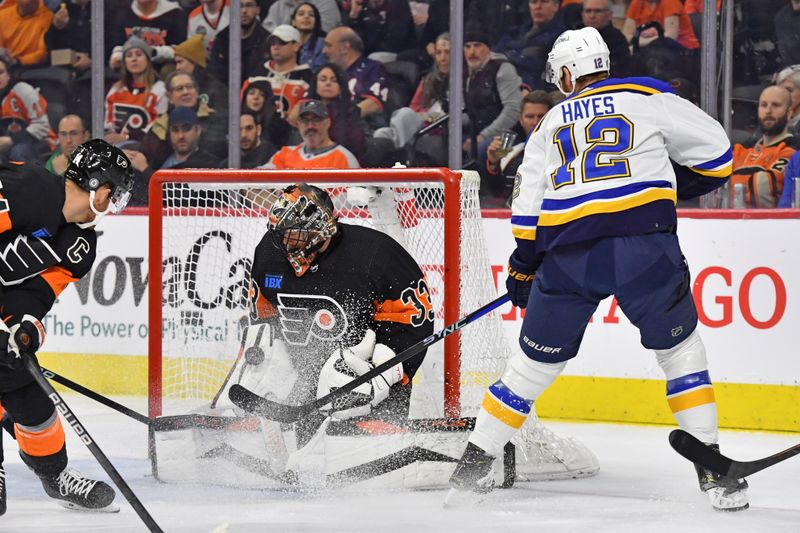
<point x="593" y="215"/>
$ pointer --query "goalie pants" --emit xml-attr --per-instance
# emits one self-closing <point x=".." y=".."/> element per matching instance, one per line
<point x="37" y="428"/>
<point x="647" y="274"/>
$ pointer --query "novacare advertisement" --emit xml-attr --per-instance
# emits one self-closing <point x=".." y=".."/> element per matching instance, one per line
<point x="745" y="274"/>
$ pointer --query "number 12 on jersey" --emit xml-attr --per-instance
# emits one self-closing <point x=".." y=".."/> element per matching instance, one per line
<point x="607" y="135"/>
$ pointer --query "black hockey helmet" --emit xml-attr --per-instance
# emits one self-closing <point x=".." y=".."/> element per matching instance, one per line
<point x="301" y="220"/>
<point x="96" y="163"/>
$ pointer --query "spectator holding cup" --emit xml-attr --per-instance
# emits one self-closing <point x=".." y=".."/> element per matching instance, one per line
<point x="504" y="153"/>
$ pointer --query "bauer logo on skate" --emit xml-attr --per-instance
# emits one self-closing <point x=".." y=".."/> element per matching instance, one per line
<point x="308" y="316"/>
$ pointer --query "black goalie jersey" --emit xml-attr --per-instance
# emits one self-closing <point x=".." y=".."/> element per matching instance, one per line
<point x="364" y="280"/>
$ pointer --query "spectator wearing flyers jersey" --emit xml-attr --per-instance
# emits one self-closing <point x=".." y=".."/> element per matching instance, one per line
<point x="367" y="79"/>
<point x="208" y="19"/>
<point x="159" y="23"/>
<point x="137" y="98"/>
<point x="25" y="132"/>
<point x="317" y="150"/>
<point x="288" y="79"/>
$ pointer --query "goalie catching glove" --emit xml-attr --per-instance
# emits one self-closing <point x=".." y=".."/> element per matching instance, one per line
<point x="28" y="334"/>
<point x="346" y="364"/>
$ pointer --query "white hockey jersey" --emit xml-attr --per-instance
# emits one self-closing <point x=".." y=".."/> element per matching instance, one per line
<point x="600" y="163"/>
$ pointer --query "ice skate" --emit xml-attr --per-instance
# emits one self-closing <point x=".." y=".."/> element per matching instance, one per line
<point x="472" y="478"/>
<point x="542" y="455"/>
<point x="725" y="493"/>
<point x="74" y="491"/>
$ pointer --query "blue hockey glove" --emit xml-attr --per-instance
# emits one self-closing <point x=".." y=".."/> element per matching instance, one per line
<point x="519" y="281"/>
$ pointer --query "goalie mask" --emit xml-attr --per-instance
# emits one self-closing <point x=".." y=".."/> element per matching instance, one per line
<point x="96" y="163"/>
<point x="582" y="52"/>
<point x="301" y="221"/>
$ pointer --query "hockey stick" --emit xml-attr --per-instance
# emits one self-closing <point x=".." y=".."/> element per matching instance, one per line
<point x="697" y="452"/>
<point x="254" y="403"/>
<point x="83" y="435"/>
<point x="162" y="423"/>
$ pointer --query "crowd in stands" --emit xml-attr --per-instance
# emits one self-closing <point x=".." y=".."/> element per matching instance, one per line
<point x="364" y="83"/>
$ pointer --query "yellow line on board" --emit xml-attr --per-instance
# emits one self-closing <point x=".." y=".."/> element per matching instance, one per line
<point x="625" y="400"/>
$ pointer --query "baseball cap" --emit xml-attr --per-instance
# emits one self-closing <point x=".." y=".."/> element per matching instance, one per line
<point x="183" y="115"/>
<point x="315" y="107"/>
<point x="286" y="33"/>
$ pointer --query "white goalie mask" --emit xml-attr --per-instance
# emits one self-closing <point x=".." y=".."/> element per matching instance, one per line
<point x="582" y="52"/>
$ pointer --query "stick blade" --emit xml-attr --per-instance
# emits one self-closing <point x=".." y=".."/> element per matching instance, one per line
<point x="253" y="403"/>
<point x="695" y="451"/>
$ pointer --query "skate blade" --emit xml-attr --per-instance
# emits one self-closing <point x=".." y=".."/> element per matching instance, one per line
<point x="110" y="508"/>
<point x="462" y="498"/>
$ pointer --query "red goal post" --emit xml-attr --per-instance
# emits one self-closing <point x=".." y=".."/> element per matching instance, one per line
<point x="214" y="219"/>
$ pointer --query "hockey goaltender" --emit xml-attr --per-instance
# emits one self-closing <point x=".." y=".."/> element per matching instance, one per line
<point x="329" y="302"/>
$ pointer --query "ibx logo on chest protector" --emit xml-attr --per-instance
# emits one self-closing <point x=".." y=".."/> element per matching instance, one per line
<point x="305" y="317"/>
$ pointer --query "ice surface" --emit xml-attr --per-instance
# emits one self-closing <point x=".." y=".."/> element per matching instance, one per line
<point x="642" y="486"/>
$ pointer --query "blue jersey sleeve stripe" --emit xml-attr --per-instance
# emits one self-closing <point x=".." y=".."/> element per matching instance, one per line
<point x="690" y="381"/>
<point x="552" y="204"/>
<point x="723" y="160"/>
<point x="500" y="391"/>
<point x="524" y="220"/>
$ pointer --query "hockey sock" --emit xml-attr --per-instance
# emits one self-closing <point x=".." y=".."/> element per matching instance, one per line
<point x="507" y="403"/>
<point x="42" y="447"/>
<point x="690" y="393"/>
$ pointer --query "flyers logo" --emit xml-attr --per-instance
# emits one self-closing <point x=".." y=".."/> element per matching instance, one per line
<point x="130" y="117"/>
<point x="414" y="307"/>
<point x="306" y="317"/>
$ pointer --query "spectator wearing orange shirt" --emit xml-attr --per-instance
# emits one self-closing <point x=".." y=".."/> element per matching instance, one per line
<point x="22" y="29"/>
<point x="761" y="167"/>
<point x="669" y="13"/>
<point x="317" y="150"/>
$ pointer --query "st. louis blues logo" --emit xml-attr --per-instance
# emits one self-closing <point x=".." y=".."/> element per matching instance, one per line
<point x="306" y="317"/>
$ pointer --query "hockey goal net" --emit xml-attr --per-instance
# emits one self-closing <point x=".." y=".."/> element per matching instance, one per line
<point x="205" y="224"/>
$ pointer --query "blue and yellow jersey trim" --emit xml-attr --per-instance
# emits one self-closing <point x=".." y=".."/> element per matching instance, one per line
<point x="720" y="167"/>
<point x="643" y="86"/>
<point x="555" y="212"/>
<point x="524" y="227"/>
<point x="692" y="390"/>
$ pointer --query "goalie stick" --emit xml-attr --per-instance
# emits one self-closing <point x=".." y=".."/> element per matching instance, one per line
<point x="83" y="435"/>
<point x="251" y="402"/>
<point x="161" y="423"/>
<point x="697" y="452"/>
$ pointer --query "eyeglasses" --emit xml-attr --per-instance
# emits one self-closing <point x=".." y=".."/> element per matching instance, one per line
<point x="184" y="87"/>
<point x="595" y="11"/>
<point x="181" y="128"/>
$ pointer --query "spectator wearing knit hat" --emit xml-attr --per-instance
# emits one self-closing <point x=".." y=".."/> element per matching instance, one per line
<point x="190" y="58"/>
<point x="22" y="29"/>
<point x="137" y="98"/>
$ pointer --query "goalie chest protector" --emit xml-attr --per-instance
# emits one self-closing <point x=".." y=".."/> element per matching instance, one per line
<point x="364" y="280"/>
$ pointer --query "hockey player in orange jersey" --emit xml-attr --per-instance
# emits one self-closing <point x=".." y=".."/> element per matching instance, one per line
<point x="47" y="241"/>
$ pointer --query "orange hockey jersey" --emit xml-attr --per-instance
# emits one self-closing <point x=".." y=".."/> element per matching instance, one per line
<point x="761" y="169"/>
<point x="24" y="107"/>
<point x="334" y="156"/>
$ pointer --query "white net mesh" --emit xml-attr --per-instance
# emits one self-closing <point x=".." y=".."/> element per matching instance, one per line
<point x="209" y="232"/>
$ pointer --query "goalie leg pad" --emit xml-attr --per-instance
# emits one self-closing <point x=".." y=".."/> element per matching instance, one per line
<point x="690" y="393"/>
<point x="507" y="403"/>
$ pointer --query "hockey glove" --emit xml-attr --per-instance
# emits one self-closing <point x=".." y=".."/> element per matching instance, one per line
<point x="28" y="335"/>
<point x="519" y="281"/>
<point x="346" y="364"/>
